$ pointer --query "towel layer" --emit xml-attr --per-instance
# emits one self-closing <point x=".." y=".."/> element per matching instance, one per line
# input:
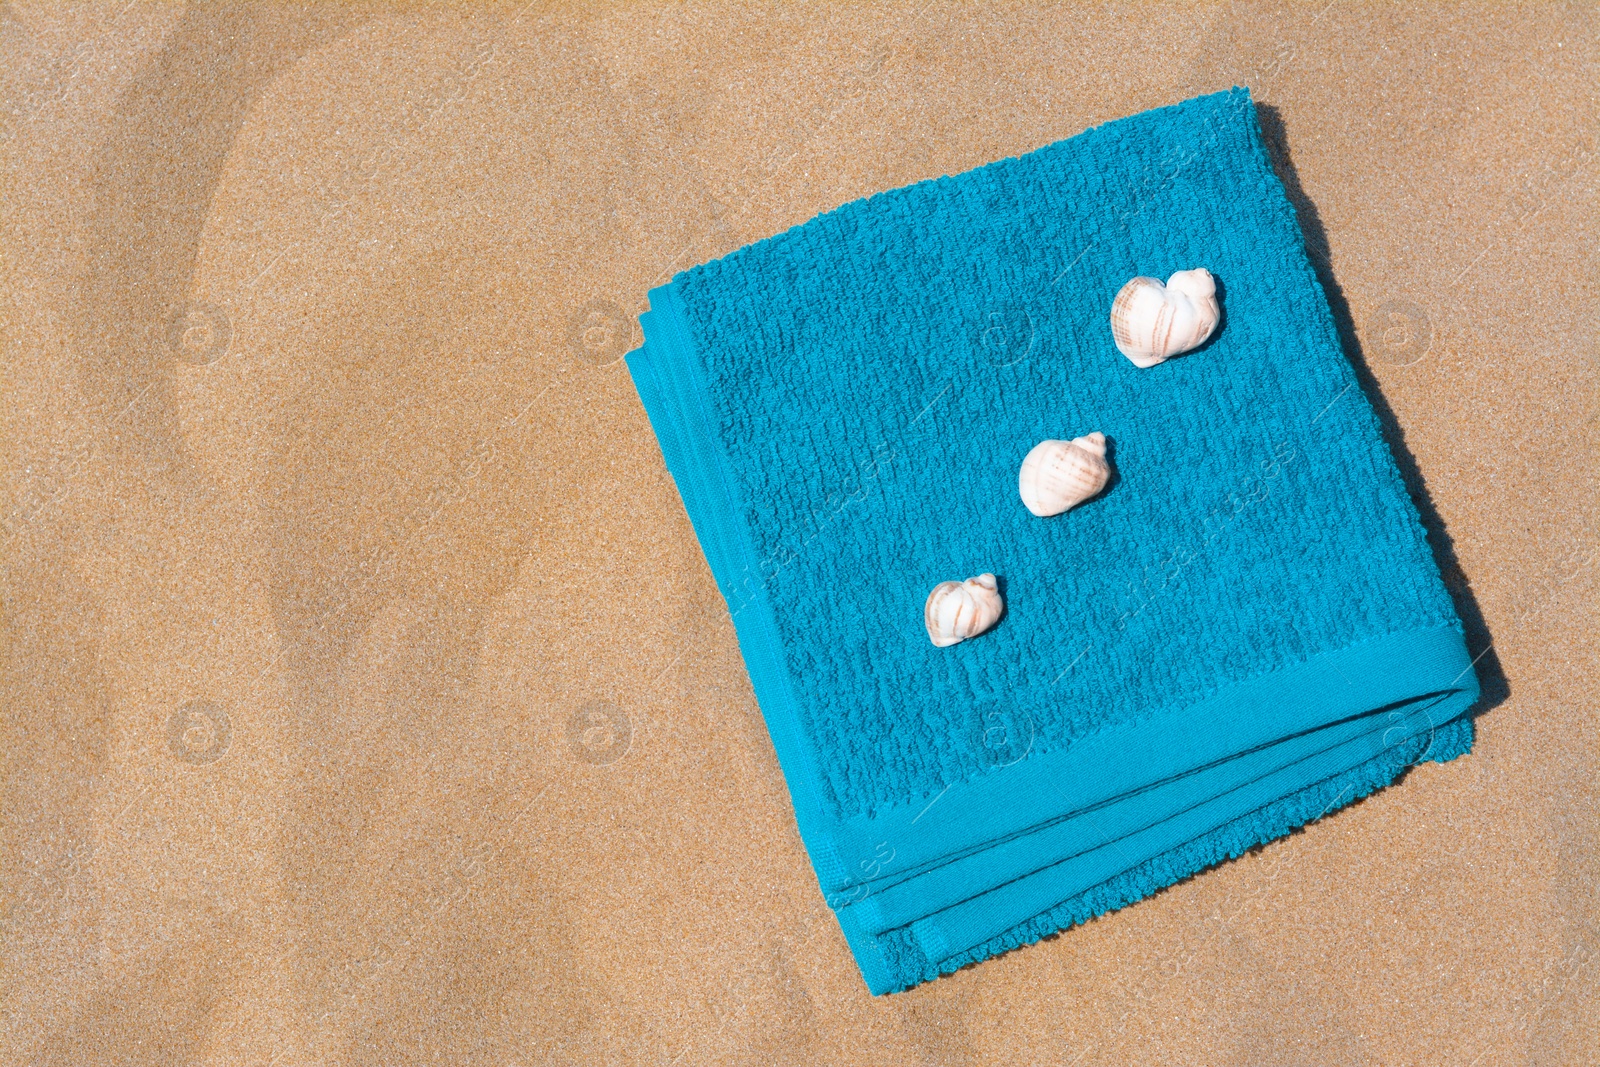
<point x="1245" y="630"/>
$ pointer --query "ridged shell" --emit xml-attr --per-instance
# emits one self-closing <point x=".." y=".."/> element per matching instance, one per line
<point x="1152" y="322"/>
<point x="1058" y="475"/>
<point x="956" y="611"/>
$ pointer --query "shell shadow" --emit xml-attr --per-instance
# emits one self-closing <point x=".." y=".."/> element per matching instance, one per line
<point x="1222" y="318"/>
<point x="1115" y="478"/>
<point x="1005" y="599"/>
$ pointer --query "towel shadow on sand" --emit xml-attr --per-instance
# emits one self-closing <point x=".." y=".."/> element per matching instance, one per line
<point x="1480" y="642"/>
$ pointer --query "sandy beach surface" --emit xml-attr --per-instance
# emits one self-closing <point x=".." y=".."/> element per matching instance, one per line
<point x="367" y="698"/>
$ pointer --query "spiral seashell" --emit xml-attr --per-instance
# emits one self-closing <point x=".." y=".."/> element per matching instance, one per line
<point x="956" y="611"/>
<point x="1152" y="322"/>
<point x="1058" y="475"/>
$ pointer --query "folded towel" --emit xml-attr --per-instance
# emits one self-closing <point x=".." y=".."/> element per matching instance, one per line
<point x="1245" y="631"/>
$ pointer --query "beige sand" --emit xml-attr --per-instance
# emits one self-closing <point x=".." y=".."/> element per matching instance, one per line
<point x="367" y="698"/>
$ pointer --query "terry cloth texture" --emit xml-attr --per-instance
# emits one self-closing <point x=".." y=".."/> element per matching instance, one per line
<point x="1245" y="631"/>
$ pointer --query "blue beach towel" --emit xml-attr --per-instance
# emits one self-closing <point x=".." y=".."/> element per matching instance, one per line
<point x="1245" y="631"/>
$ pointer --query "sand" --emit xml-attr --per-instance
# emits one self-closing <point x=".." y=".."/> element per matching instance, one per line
<point x="367" y="698"/>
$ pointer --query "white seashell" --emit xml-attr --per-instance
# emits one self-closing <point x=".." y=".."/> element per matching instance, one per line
<point x="956" y="611"/>
<point x="1152" y="322"/>
<point x="1058" y="475"/>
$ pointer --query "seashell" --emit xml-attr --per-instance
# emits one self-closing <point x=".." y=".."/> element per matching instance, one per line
<point x="1058" y="475"/>
<point x="1152" y="322"/>
<point x="956" y="611"/>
